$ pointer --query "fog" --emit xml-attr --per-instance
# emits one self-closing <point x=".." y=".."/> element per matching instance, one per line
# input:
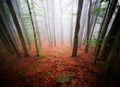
<point x="54" y="19"/>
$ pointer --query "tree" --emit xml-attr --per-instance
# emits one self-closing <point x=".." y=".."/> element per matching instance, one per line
<point x="54" y="31"/>
<point x="47" y="25"/>
<point x="5" y="30"/>
<point x="83" y="25"/>
<point x="115" y="55"/>
<point x="97" y="47"/>
<point x="61" y="23"/>
<point x="77" y="28"/>
<point x="5" y="40"/>
<point x="9" y="3"/>
<point x="88" y="27"/>
<point x="7" y="24"/>
<point x="36" y="45"/>
<point x="37" y="28"/>
<point x="105" y="23"/>
<point x="23" y="24"/>
<point x="71" y="33"/>
<point x="111" y="37"/>
<point x="95" y="16"/>
<point x="114" y="46"/>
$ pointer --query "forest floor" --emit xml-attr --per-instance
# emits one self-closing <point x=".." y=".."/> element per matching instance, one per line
<point x="43" y="71"/>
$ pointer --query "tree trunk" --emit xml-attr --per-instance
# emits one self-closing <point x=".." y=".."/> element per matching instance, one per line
<point x="77" y="28"/>
<point x="71" y="33"/>
<point x="37" y="28"/>
<point x="8" y="35"/>
<point x="94" y="21"/>
<point x="111" y="37"/>
<point x="5" y="41"/>
<point x="83" y="25"/>
<point x="61" y="23"/>
<point x="36" y="45"/>
<point x="54" y="30"/>
<point x="23" y="25"/>
<point x="47" y="26"/>
<point x="9" y="3"/>
<point x="104" y="25"/>
<point x="88" y="27"/>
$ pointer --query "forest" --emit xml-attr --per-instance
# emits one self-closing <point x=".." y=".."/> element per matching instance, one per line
<point x="59" y="43"/>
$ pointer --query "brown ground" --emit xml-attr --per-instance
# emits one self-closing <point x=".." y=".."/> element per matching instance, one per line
<point x="43" y="71"/>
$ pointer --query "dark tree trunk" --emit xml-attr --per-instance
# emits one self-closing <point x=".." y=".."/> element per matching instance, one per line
<point x="9" y="3"/>
<point x="95" y="21"/>
<point x="83" y="27"/>
<point x="5" y="40"/>
<point x="77" y="28"/>
<point x="104" y="25"/>
<point x="37" y="27"/>
<point x="88" y="27"/>
<point x="115" y="54"/>
<point x="23" y="25"/>
<point x="35" y="37"/>
<point x="111" y="37"/>
<point x="8" y="36"/>
<point x="11" y="29"/>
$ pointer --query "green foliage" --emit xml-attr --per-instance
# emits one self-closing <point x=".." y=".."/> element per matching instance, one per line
<point x="97" y="9"/>
<point x="92" y="42"/>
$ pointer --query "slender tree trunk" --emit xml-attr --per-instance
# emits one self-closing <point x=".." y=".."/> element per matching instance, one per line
<point x="115" y="48"/>
<point x="77" y="28"/>
<point x="7" y="23"/>
<point x="36" y="45"/>
<point x="49" y="24"/>
<point x="111" y="37"/>
<point x="11" y="31"/>
<point x="88" y="27"/>
<point x="48" y="31"/>
<point x="54" y="30"/>
<point x="115" y="54"/>
<point x="23" y="25"/>
<point x="83" y="25"/>
<point x="37" y="28"/>
<point x="71" y="33"/>
<point x="95" y="21"/>
<point x="9" y="3"/>
<point x="104" y="25"/>
<point x="9" y="37"/>
<point x="61" y="23"/>
<point x="5" y="40"/>
<point x="97" y="48"/>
